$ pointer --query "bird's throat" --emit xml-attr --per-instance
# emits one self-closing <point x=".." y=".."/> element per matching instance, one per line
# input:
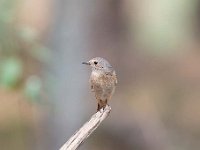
<point x="96" y="73"/>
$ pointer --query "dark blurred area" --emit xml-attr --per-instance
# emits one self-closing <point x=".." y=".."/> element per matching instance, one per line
<point x="44" y="90"/>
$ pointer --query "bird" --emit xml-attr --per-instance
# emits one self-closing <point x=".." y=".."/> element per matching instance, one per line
<point x="103" y="80"/>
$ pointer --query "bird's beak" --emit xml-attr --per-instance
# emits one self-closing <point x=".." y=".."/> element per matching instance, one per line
<point x="86" y="63"/>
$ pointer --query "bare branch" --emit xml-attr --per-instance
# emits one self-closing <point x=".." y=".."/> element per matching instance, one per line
<point x="84" y="132"/>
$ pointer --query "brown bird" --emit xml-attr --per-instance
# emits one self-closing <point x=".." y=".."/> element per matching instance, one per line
<point x="103" y="80"/>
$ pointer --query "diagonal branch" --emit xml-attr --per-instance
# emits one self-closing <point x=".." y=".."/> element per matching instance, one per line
<point x="84" y="132"/>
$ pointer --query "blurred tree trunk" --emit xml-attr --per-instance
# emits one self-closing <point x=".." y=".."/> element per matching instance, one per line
<point x="69" y="45"/>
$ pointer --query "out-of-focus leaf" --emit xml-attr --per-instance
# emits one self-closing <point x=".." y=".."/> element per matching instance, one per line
<point x="41" y="53"/>
<point x="166" y="25"/>
<point x="7" y="10"/>
<point x="33" y="88"/>
<point x="11" y="72"/>
<point x="28" y="34"/>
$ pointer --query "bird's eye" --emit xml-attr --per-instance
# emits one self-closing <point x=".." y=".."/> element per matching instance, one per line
<point x="95" y="62"/>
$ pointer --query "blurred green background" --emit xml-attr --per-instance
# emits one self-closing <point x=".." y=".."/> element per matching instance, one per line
<point x="44" y="91"/>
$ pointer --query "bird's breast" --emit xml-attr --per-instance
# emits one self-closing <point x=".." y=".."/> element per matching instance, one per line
<point x="101" y="79"/>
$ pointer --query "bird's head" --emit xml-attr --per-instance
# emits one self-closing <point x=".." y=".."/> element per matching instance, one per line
<point x="100" y="64"/>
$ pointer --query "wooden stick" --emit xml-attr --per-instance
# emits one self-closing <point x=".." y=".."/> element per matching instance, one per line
<point x="84" y="132"/>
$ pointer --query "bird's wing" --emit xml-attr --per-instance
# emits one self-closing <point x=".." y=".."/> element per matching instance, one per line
<point x="91" y="85"/>
<point x="115" y="78"/>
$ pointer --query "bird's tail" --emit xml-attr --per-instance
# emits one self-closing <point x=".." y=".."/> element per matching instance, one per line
<point x="101" y="104"/>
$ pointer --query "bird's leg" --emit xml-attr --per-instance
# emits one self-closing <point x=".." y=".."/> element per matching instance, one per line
<point x="98" y="107"/>
<point x="101" y="104"/>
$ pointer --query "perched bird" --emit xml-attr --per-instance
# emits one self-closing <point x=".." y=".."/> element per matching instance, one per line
<point x="103" y="80"/>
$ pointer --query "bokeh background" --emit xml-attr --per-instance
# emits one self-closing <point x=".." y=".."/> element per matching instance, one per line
<point x="44" y="91"/>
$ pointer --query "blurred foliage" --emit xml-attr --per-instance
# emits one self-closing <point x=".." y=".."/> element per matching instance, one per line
<point x="17" y="44"/>
<point x="11" y="72"/>
<point x="7" y="9"/>
<point x="28" y="35"/>
<point x="33" y="87"/>
<point x="31" y="37"/>
<point x="166" y="24"/>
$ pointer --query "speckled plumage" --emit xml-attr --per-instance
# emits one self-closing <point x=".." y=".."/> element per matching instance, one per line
<point x="103" y="80"/>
